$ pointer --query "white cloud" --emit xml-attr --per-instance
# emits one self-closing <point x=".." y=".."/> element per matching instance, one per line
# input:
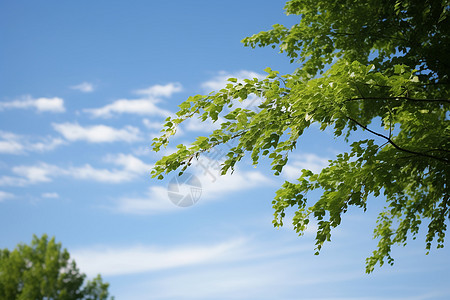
<point x="236" y="268"/>
<point x="264" y="267"/>
<point x="55" y="104"/>
<point x="266" y="279"/>
<point x="46" y="145"/>
<point x="152" y="125"/>
<point x="220" y="80"/>
<point x="213" y="187"/>
<point x="4" y="196"/>
<point x="129" y="163"/>
<point x="148" y="151"/>
<point x="138" y="106"/>
<point x="11" y="143"/>
<point x="142" y="150"/>
<point x="157" y="90"/>
<point x="143" y="106"/>
<point x="155" y="201"/>
<point x="12" y="181"/>
<point x="137" y="259"/>
<point x="131" y="168"/>
<point x="97" y="133"/>
<point x="207" y="169"/>
<point x="84" y="87"/>
<point x="87" y="172"/>
<point x="307" y="161"/>
<point x="35" y="174"/>
<point x="262" y="281"/>
<point x="50" y="195"/>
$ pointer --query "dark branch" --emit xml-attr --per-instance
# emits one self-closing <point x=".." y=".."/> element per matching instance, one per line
<point x="400" y="98"/>
<point x="390" y="141"/>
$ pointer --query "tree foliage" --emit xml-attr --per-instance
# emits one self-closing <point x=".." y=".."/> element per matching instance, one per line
<point x="43" y="270"/>
<point x="373" y="65"/>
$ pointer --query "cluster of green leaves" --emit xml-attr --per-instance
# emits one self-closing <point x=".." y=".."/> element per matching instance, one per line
<point x="384" y="32"/>
<point x="43" y="270"/>
<point x="362" y="64"/>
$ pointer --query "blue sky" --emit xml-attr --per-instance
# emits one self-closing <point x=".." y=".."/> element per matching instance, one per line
<point x="85" y="86"/>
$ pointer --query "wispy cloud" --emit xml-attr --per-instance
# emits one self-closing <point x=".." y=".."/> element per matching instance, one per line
<point x="309" y="161"/>
<point x="55" y="105"/>
<point x="270" y="279"/>
<point x="152" y="125"/>
<point x="220" y="80"/>
<point x="36" y="174"/>
<point x="11" y="143"/>
<point x="12" y="181"/>
<point x="237" y="268"/>
<point x="213" y="187"/>
<point x="50" y="195"/>
<point x="145" y="106"/>
<point x="138" y="259"/>
<point x="129" y="163"/>
<point x="84" y="87"/>
<point x="153" y="202"/>
<point x="156" y="91"/>
<point x="130" y="168"/>
<point x="261" y="281"/>
<point x="46" y="145"/>
<point x="97" y="133"/>
<point x="4" y="196"/>
<point x="87" y="172"/>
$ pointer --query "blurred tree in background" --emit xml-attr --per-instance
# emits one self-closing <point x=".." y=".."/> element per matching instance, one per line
<point x="44" y="271"/>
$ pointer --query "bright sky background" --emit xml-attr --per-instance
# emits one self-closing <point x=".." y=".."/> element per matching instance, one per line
<point x="85" y="86"/>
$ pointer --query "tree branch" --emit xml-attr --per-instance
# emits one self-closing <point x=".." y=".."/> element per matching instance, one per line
<point x="395" y="145"/>
<point x="399" y="98"/>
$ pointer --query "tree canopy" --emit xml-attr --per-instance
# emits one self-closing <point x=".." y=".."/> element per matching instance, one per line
<point x="373" y="65"/>
<point x="43" y="270"/>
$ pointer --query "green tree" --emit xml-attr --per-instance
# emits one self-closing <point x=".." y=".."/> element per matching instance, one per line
<point x="377" y="66"/>
<point x="43" y="270"/>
